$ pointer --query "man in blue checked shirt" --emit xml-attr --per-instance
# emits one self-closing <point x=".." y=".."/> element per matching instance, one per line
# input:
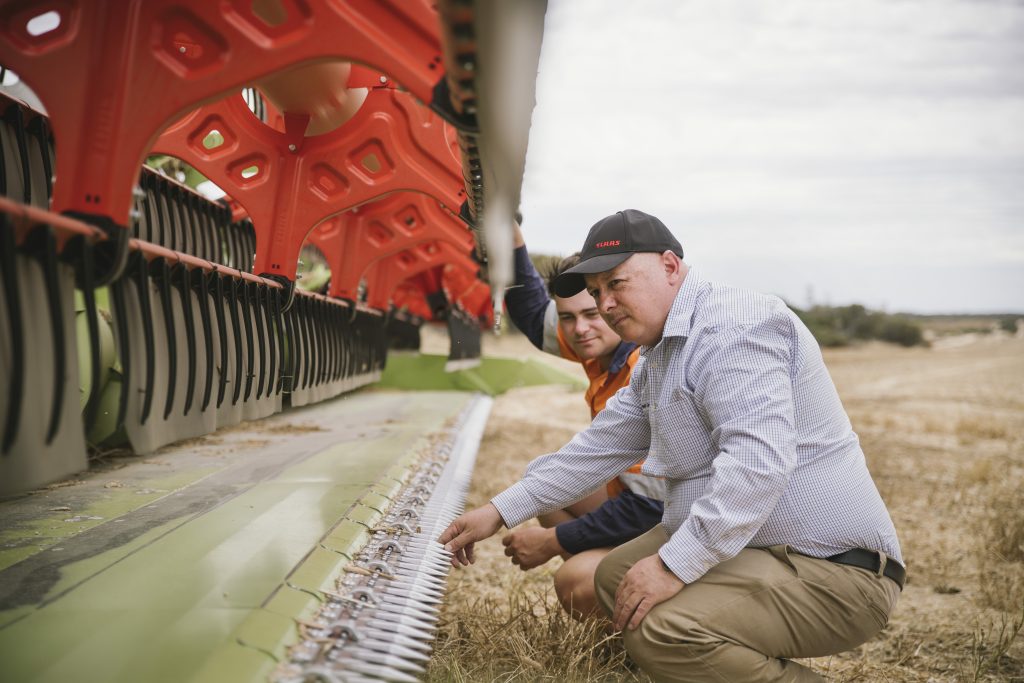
<point x="774" y="543"/>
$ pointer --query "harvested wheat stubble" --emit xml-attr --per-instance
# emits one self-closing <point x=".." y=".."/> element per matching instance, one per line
<point x="943" y="433"/>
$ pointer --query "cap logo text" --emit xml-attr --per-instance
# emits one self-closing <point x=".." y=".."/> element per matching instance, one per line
<point x="609" y="243"/>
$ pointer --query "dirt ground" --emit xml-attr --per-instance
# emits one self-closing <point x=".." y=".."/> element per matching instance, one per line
<point x="942" y="432"/>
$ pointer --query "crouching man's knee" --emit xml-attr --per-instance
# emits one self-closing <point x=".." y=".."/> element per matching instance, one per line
<point x="615" y="564"/>
<point x="606" y="582"/>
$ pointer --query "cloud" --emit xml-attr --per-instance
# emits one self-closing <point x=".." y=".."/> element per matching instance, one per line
<point x="881" y="132"/>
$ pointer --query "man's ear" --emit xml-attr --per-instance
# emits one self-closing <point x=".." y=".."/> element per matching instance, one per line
<point x="673" y="266"/>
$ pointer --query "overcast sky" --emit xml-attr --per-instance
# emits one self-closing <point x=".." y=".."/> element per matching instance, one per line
<point x="834" y="151"/>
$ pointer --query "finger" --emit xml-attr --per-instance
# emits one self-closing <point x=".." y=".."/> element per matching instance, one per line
<point x="624" y="615"/>
<point x="471" y="552"/>
<point x="450" y="539"/>
<point x="507" y="539"/>
<point x="459" y="542"/>
<point x="620" y="606"/>
<point x="466" y="554"/>
<point x="510" y="552"/>
<point x="448" y="534"/>
<point x="625" y="603"/>
<point x="621" y="597"/>
<point x="641" y="611"/>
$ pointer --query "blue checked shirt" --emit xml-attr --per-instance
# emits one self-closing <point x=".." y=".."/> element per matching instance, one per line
<point x="734" y="406"/>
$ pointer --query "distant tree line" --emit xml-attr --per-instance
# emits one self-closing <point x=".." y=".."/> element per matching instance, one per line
<point x="831" y="325"/>
<point x="843" y="325"/>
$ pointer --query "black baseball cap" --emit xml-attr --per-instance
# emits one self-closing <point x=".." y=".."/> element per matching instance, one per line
<point x="611" y="241"/>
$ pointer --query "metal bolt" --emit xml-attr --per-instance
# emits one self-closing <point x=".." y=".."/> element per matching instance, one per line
<point x="383" y="79"/>
<point x="292" y="147"/>
<point x="181" y="49"/>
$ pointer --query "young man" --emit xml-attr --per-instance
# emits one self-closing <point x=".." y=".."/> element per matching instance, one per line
<point x="585" y="531"/>
<point x="775" y="543"/>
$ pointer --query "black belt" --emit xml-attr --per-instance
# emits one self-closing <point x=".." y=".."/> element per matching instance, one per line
<point x="869" y="559"/>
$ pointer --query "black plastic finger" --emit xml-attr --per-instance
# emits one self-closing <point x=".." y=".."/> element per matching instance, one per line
<point x="41" y="131"/>
<point x="256" y="300"/>
<point x="16" y="118"/>
<point x="279" y="325"/>
<point x="180" y="278"/>
<point x="292" y="340"/>
<point x="198" y="277"/>
<point x="270" y="294"/>
<point x="42" y="245"/>
<point x="302" y="303"/>
<point x="234" y="288"/>
<point x="16" y="379"/>
<point x="117" y="298"/>
<point x="138" y="269"/>
<point x="79" y="251"/>
<point x="250" y="355"/>
<point x="161" y="273"/>
<point x="222" y="333"/>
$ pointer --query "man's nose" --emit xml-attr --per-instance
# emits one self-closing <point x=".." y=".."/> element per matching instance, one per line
<point x="605" y="303"/>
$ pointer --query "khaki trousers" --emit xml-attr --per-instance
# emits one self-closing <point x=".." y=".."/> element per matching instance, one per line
<point x="745" y="618"/>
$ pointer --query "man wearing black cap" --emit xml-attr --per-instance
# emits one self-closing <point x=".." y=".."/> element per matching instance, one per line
<point x="630" y="504"/>
<point x="774" y="543"/>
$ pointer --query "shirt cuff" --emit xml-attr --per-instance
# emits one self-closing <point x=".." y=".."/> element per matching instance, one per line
<point x="572" y="536"/>
<point x="686" y="557"/>
<point x="515" y="505"/>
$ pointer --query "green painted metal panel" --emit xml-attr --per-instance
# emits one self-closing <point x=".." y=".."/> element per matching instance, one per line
<point x="205" y="575"/>
<point x="493" y="376"/>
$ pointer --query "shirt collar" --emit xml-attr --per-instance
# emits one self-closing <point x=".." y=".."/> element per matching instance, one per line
<point x="680" y="316"/>
<point x="620" y="356"/>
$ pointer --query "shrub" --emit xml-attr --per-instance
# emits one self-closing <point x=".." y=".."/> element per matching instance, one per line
<point x="900" y="331"/>
<point x="836" y="326"/>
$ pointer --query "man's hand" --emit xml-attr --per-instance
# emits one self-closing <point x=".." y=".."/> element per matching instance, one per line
<point x="646" y="584"/>
<point x="531" y="547"/>
<point x="467" y="529"/>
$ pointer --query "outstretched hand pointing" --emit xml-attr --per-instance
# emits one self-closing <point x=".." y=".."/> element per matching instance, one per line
<point x="467" y="529"/>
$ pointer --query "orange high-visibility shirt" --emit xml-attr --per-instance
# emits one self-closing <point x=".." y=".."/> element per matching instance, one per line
<point x="602" y="386"/>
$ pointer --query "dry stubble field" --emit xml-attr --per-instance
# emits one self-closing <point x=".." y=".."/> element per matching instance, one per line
<point x="942" y="431"/>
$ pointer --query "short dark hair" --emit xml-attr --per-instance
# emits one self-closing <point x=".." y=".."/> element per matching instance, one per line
<point x="556" y="268"/>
